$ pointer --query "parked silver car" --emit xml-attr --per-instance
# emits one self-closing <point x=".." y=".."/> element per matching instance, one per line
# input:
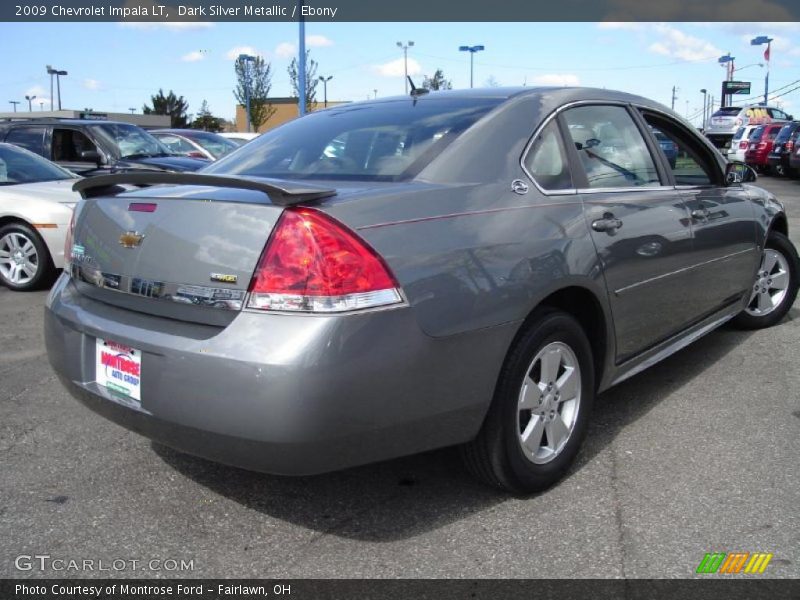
<point x="388" y="277"/>
<point x="725" y="122"/>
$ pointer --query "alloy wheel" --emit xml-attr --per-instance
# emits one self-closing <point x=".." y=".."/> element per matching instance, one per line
<point x="549" y="401"/>
<point x="771" y="285"/>
<point x="19" y="260"/>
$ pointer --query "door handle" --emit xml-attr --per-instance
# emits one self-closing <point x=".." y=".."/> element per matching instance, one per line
<point x="608" y="223"/>
<point x="701" y="214"/>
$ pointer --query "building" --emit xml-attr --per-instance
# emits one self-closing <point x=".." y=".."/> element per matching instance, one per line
<point x="286" y="109"/>
<point x="145" y="121"/>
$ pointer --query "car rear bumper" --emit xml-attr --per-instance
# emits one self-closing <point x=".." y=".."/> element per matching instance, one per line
<point x="284" y="394"/>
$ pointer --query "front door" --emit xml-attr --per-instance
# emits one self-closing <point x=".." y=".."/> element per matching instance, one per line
<point x="640" y="226"/>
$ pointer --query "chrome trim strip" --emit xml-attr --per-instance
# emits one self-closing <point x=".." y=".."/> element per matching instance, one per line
<point x="683" y="270"/>
<point x="183" y="293"/>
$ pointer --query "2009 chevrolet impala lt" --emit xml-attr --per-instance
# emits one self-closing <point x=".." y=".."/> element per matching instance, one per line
<point x="388" y="277"/>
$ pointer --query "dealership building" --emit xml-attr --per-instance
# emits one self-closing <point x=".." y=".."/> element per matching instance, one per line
<point x="145" y="121"/>
<point x="286" y="109"/>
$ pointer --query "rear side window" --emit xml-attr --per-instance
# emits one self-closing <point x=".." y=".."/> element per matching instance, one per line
<point x="30" y="138"/>
<point x="546" y="160"/>
<point x="772" y="133"/>
<point x="69" y="144"/>
<point x="382" y="141"/>
<point x="611" y="148"/>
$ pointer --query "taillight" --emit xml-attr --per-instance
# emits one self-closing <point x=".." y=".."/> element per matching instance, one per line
<point x="789" y="145"/>
<point x="743" y="145"/>
<point x="195" y="154"/>
<point x="739" y="122"/>
<point x="312" y="263"/>
<point x="762" y="145"/>
<point x="68" y="241"/>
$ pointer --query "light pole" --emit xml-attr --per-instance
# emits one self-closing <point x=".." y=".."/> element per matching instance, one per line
<point x="375" y="92"/>
<point x="704" y="91"/>
<point x="51" y="71"/>
<point x="133" y="110"/>
<point x="58" y="75"/>
<point x="30" y="99"/>
<point x="325" y="81"/>
<point x="14" y="102"/>
<point x="246" y="60"/>
<point x="405" y="59"/>
<point x="728" y="62"/>
<point x="301" y="62"/>
<point x="472" y="50"/>
<point x="757" y="41"/>
<point x="41" y="106"/>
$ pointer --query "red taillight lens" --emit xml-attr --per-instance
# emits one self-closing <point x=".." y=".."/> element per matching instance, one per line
<point x="195" y="154"/>
<point x="313" y="263"/>
<point x="789" y="146"/>
<point x="68" y="240"/>
<point x="743" y="145"/>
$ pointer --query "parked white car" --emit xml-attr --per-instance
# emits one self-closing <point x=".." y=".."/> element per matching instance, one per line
<point x="240" y="137"/>
<point x="36" y="202"/>
<point x="739" y="142"/>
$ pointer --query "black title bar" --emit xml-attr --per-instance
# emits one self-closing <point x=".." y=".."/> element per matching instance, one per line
<point x="403" y="10"/>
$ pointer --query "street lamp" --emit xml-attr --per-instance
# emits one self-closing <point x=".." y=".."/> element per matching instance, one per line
<point x="41" y="106"/>
<point x="30" y="99"/>
<point x="758" y="41"/>
<point x="246" y="60"/>
<point x="325" y="81"/>
<point x="14" y="102"/>
<point x="704" y="91"/>
<point x="472" y="50"/>
<point x="133" y="110"/>
<point x="51" y="71"/>
<point x="405" y="58"/>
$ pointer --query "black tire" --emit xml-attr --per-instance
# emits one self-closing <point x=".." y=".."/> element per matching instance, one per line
<point x="496" y="456"/>
<point x="779" y="243"/>
<point x="45" y="271"/>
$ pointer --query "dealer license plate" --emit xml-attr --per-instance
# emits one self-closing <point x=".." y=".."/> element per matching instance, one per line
<point x="118" y="368"/>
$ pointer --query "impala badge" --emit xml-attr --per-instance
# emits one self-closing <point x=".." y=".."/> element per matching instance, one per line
<point x="131" y="239"/>
<point x="224" y="278"/>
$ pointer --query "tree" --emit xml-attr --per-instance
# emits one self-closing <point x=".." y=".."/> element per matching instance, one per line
<point x="491" y="82"/>
<point x="311" y="80"/>
<point x="437" y="82"/>
<point x="172" y="105"/>
<point x="205" y="120"/>
<point x="257" y="76"/>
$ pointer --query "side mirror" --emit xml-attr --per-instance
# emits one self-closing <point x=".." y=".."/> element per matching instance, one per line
<point x="92" y="156"/>
<point x="738" y="172"/>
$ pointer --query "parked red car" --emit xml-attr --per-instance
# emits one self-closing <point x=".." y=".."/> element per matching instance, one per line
<point x="761" y="141"/>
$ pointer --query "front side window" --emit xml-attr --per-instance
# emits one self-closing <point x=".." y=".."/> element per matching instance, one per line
<point x="30" y="138"/>
<point x="546" y="160"/>
<point x="611" y="148"/>
<point x="69" y="145"/>
<point x="688" y="159"/>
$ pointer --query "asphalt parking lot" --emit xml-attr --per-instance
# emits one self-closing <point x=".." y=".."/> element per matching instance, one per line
<point x="698" y="454"/>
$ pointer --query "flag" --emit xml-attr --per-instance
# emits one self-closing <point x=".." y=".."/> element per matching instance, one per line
<point x="766" y="54"/>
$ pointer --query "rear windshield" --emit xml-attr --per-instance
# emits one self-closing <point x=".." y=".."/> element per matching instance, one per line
<point x="215" y="144"/>
<point x="382" y="141"/>
<point x="18" y="165"/>
<point x="739" y="133"/>
<point x="757" y="133"/>
<point x="727" y="111"/>
<point x="786" y="132"/>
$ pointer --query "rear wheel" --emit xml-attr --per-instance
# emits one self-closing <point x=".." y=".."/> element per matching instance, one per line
<point x="775" y="287"/>
<point x="540" y="411"/>
<point x="25" y="263"/>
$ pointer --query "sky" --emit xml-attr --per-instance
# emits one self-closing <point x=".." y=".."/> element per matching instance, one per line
<point x="114" y="66"/>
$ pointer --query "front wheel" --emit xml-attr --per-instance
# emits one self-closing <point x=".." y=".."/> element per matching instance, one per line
<point x="25" y="263"/>
<point x="775" y="287"/>
<point x="540" y="411"/>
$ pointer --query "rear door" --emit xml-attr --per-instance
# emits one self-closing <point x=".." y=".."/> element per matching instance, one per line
<point x="725" y="254"/>
<point x="640" y="227"/>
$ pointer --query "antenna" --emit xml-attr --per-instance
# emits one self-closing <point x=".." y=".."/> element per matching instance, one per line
<point x="415" y="91"/>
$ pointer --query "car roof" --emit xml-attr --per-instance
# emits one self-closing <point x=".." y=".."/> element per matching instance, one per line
<point x="49" y="121"/>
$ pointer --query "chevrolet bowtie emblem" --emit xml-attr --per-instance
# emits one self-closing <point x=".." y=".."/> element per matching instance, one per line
<point x="130" y="239"/>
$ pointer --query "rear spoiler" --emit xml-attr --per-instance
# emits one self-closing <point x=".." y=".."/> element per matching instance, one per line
<point x="280" y="192"/>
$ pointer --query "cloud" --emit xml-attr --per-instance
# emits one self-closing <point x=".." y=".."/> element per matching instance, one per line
<point x="172" y="25"/>
<point x="619" y="25"/>
<point x="234" y="52"/>
<point x="40" y="93"/>
<point x="91" y="84"/>
<point x="559" y="79"/>
<point x="396" y="68"/>
<point x="285" y="50"/>
<point x="194" y="56"/>
<point x="318" y="41"/>
<point x="677" y="44"/>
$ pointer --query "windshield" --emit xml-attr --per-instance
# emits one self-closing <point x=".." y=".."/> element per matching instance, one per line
<point x="132" y="141"/>
<point x="378" y="141"/>
<point x="213" y="143"/>
<point x="18" y="165"/>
